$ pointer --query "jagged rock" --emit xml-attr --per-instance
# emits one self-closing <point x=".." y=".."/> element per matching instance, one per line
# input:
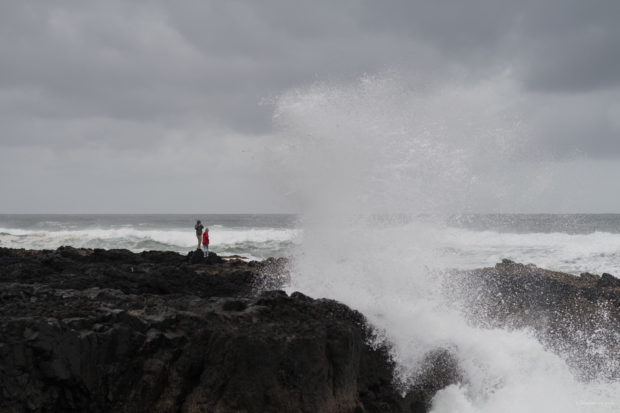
<point x="589" y="276"/>
<point x="113" y="331"/>
<point x="439" y="370"/>
<point x="565" y="311"/>
<point x="608" y="280"/>
<point x="196" y="257"/>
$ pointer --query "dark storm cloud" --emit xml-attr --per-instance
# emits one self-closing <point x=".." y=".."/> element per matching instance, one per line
<point x="126" y="75"/>
<point x="121" y="61"/>
<point x="572" y="45"/>
<point x="146" y="60"/>
<point x="562" y="45"/>
<point x="128" y="60"/>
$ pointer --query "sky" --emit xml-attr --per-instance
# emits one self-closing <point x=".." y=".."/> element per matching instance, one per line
<point x="168" y="107"/>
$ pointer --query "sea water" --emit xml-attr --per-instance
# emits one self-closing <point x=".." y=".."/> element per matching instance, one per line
<point x="572" y="243"/>
<point x="250" y="236"/>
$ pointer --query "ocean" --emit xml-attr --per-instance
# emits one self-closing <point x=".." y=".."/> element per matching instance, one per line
<point x="389" y="267"/>
<point x="247" y="235"/>
<point x="572" y="243"/>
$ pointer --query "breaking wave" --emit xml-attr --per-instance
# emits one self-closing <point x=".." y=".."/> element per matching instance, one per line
<point x="250" y="242"/>
<point x="381" y="146"/>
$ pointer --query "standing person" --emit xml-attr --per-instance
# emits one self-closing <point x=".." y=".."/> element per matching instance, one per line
<point x="198" y="227"/>
<point x="205" y="242"/>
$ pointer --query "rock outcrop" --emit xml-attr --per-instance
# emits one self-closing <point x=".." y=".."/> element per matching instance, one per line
<point x="113" y="331"/>
<point x="576" y="316"/>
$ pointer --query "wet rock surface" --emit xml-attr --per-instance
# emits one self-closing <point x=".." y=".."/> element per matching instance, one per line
<point x="575" y="316"/>
<point x="112" y="331"/>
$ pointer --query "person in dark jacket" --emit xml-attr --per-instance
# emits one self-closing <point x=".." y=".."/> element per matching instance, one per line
<point x="205" y="242"/>
<point x="198" y="227"/>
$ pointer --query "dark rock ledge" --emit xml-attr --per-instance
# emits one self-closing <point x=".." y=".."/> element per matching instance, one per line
<point x="112" y="331"/>
<point x="575" y="316"/>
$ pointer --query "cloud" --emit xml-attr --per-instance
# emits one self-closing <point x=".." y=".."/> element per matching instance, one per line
<point x="122" y="77"/>
<point x="571" y="46"/>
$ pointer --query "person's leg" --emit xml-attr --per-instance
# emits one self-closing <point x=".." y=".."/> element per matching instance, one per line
<point x="199" y="240"/>
<point x="205" y="250"/>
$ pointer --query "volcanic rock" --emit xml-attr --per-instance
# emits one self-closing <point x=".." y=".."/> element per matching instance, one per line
<point x="112" y="331"/>
<point x="85" y="330"/>
<point x="577" y="316"/>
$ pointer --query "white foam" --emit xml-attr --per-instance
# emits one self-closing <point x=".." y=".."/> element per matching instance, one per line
<point x="384" y="273"/>
<point x="351" y="151"/>
<point x="142" y="239"/>
<point x="595" y="252"/>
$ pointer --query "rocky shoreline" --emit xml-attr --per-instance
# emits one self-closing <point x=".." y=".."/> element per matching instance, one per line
<point x="116" y="331"/>
<point x="576" y="316"/>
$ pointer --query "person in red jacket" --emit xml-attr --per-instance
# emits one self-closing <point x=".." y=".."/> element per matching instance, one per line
<point x="205" y="242"/>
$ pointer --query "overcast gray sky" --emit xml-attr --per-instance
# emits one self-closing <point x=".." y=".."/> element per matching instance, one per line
<point x="136" y="106"/>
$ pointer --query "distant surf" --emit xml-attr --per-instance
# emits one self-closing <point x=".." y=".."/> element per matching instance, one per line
<point x="568" y="243"/>
<point x="251" y="236"/>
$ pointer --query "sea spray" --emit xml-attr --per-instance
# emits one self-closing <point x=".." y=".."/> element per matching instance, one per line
<point x="356" y="156"/>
